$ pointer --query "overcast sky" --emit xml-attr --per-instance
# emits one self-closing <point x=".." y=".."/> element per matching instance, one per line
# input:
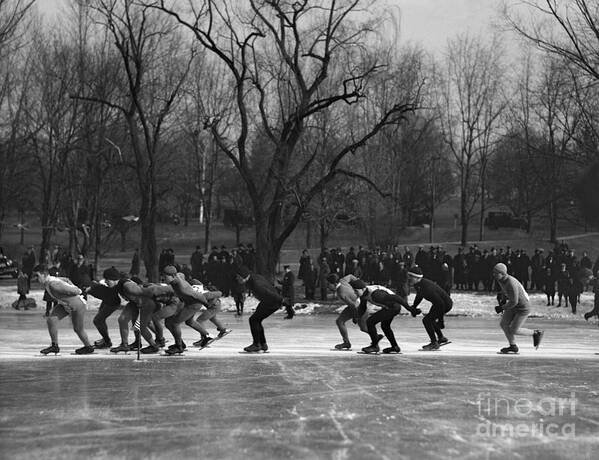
<point x="429" y="22"/>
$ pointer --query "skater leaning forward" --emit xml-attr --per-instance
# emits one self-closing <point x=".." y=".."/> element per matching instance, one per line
<point x="441" y="304"/>
<point x="346" y="293"/>
<point x="69" y="303"/>
<point x="269" y="301"/>
<point x="515" y="309"/>
<point x="390" y="304"/>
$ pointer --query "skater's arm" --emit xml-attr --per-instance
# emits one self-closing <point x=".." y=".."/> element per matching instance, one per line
<point x="60" y="289"/>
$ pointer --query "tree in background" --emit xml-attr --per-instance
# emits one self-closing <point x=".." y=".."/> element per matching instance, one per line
<point x="289" y="61"/>
<point x="470" y="103"/>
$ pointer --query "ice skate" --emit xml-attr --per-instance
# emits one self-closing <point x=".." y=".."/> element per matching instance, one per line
<point x="264" y="348"/>
<point x="161" y="342"/>
<point x="150" y="349"/>
<point x="372" y="349"/>
<point x="253" y="348"/>
<point x="176" y="350"/>
<point x="100" y="344"/>
<point x="51" y="349"/>
<point x="85" y="350"/>
<point x="512" y="349"/>
<point x="343" y="346"/>
<point x="433" y="346"/>
<point x="443" y="341"/>
<point x="174" y="345"/>
<point x="537" y="336"/>
<point x="391" y="350"/>
<point x="123" y="347"/>
<point x="203" y="342"/>
<point x="221" y="334"/>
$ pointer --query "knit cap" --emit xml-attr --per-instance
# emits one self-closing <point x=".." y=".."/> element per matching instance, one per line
<point x="170" y="270"/>
<point x="243" y="271"/>
<point x="500" y="268"/>
<point x="112" y="274"/>
<point x="415" y="272"/>
<point x="358" y="284"/>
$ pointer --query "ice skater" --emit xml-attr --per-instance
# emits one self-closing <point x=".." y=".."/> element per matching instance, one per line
<point x="515" y="310"/>
<point x="107" y="292"/>
<point x="269" y="301"/>
<point x="69" y="303"/>
<point x="194" y="302"/>
<point x="346" y="293"/>
<point x="390" y="304"/>
<point x="441" y="304"/>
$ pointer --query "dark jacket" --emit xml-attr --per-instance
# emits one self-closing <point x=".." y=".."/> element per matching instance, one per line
<point x="263" y="290"/>
<point x="426" y="289"/>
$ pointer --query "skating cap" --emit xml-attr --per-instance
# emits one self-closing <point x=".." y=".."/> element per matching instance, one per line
<point x="243" y="271"/>
<point x="500" y="268"/>
<point x="358" y="284"/>
<point x="333" y="278"/>
<point x="415" y="272"/>
<point x="111" y="274"/>
<point x="170" y="270"/>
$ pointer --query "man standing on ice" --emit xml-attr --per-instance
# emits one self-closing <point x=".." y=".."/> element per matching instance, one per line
<point x="515" y="310"/>
<point x="441" y="304"/>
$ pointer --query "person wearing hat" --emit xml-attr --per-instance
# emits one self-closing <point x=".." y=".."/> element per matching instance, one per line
<point x="441" y="304"/>
<point x="194" y="301"/>
<point x="69" y="303"/>
<point x="269" y="301"/>
<point x="390" y="304"/>
<point x="107" y="292"/>
<point x="515" y="309"/>
<point x="346" y="293"/>
<point x="288" y="290"/>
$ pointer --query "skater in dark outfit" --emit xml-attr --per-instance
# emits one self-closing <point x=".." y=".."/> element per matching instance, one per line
<point x="515" y="309"/>
<point x="441" y="304"/>
<point x="130" y="290"/>
<point x="346" y="293"/>
<point x="595" y="311"/>
<point x="391" y="305"/>
<point x="111" y="302"/>
<point x="269" y="301"/>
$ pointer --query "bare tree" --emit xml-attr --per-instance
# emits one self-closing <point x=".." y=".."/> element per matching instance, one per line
<point x="279" y="55"/>
<point x="469" y="106"/>
<point x="153" y="74"/>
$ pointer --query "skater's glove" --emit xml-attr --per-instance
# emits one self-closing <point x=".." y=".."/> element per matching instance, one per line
<point x="416" y="312"/>
<point x="498" y="309"/>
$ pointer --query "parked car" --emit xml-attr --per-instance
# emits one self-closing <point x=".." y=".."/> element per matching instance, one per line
<point x="8" y="267"/>
<point x="496" y="220"/>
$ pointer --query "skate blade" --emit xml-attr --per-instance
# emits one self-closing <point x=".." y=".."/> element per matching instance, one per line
<point x="509" y="353"/>
<point x="444" y="343"/>
<point x="366" y="353"/>
<point x="424" y="349"/>
<point x="169" y="354"/>
<point x="341" y="349"/>
<point x="253" y="352"/>
<point x="41" y="355"/>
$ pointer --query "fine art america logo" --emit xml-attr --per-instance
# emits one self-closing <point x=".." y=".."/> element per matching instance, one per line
<point x="525" y="417"/>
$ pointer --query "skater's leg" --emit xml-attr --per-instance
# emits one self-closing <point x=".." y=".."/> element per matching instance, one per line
<point x="145" y="319"/>
<point x="99" y="320"/>
<point x="386" y="327"/>
<point x="263" y="311"/>
<point x="52" y="323"/>
<point x="77" y="318"/>
<point x="371" y="323"/>
<point x="343" y="317"/>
